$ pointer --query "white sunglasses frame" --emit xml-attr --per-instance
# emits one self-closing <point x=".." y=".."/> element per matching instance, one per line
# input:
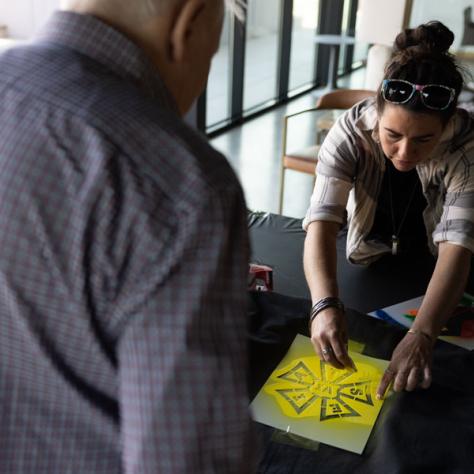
<point x="419" y="88"/>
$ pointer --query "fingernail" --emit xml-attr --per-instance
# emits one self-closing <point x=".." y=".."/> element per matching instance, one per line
<point x="379" y="397"/>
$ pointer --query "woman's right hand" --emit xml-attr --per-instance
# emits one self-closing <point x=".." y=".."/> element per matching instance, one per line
<point x="329" y="338"/>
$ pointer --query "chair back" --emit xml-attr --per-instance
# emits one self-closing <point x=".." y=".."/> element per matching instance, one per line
<point x="304" y="160"/>
<point x="343" y="98"/>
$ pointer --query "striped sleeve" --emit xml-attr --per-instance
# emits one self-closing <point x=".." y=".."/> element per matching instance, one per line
<point x="457" y="220"/>
<point x="335" y="173"/>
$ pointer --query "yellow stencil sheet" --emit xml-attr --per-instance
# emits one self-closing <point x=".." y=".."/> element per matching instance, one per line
<point x="308" y="397"/>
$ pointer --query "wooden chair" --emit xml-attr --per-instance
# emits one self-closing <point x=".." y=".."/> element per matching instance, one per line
<point x="304" y="160"/>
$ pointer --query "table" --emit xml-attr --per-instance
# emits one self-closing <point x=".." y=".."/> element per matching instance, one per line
<point x="333" y="41"/>
<point x="278" y="241"/>
<point x="422" y="431"/>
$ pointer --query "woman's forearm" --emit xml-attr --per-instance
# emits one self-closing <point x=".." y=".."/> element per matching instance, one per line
<point x="328" y="329"/>
<point x="320" y="259"/>
<point x="410" y="365"/>
<point x="445" y="288"/>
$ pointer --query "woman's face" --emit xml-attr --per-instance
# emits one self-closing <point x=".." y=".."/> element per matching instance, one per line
<point x="408" y="138"/>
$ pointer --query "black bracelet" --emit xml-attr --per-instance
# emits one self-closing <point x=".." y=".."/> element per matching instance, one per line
<point x="323" y="303"/>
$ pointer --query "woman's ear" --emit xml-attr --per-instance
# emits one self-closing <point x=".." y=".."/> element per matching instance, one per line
<point x="184" y="28"/>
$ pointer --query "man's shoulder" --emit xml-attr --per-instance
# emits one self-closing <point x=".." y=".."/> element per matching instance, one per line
<point x="158" y="143"/>
<point x="144" y="131"/>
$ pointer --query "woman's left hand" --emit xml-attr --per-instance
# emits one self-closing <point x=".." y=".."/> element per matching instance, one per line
<point x="410" y="366"/>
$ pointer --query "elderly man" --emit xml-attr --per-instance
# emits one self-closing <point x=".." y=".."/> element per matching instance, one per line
<point x="123" y="250"/>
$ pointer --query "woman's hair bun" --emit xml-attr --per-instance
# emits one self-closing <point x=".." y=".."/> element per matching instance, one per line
<point x="432" y="37"/>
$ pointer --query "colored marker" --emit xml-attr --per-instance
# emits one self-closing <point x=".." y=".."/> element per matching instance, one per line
<point x="381" y="314"/>
<point x="411" y="314"/>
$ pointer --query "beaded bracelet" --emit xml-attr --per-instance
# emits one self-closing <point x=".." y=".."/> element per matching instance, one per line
<point x="323" y="303"/>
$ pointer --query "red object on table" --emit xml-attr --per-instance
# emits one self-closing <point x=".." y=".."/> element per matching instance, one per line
<point x="467" y="328"/>
<point x="260" y="277"/>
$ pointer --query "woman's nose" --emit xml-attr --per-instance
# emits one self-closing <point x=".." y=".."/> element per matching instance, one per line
<point x="407" y="150"/>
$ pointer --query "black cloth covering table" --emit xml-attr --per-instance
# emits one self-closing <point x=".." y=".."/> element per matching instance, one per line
<point x="422" y="431"/>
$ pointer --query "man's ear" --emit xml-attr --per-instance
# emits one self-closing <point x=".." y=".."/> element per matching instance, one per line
<point x="185" y="24"/>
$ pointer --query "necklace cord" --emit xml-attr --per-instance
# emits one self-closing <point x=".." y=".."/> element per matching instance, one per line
<point x="396" y="232"/>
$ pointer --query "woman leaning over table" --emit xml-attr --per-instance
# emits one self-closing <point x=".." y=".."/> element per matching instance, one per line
<point x="400" y="168"/>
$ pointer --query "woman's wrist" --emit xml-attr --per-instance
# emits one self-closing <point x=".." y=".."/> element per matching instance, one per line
<point x="425" y="334"/>
<point x="322" y="304"/>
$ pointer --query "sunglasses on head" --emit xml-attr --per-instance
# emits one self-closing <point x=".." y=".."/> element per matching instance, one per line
<point x="433" y="96"/>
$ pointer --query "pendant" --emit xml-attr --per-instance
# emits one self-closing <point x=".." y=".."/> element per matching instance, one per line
<point x="395" y="243"/>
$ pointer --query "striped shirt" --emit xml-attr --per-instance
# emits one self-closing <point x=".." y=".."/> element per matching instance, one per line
<point x="123" y="260"/>
<point x="349" y="175"/>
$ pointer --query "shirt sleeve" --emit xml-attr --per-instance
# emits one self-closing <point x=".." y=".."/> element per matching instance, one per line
<point x="335" y="173"/>
<point x="183" y="354"/>
<point x="456" y="225"/>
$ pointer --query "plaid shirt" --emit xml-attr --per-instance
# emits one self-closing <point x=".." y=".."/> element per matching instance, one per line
<point x="123" y="259"/>
<point x="349" y="175"/>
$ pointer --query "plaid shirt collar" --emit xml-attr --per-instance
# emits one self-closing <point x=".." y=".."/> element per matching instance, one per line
<point x="92" y="37"/>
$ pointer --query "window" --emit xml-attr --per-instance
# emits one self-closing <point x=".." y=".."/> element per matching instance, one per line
<point x="272" y="56"/>
<point x="345" y="31"/>
<point x="303" y="50"/>
<point x="218" y="84"/>
<point x="261" y="56"/>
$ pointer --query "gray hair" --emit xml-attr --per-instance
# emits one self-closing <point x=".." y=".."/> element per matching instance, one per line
<point x="236" y="7"/>
<point x="144" y="8"/>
